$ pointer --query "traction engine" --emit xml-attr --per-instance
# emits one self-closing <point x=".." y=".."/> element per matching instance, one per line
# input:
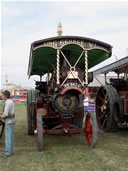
<point x="56" y="104"/>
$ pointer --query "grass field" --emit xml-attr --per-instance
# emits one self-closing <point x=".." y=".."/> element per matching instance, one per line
<point x="65" y="153"/>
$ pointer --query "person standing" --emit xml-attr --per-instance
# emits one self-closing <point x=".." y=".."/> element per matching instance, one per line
<point x="86" y="103"/>
<point x="8" y="117"/>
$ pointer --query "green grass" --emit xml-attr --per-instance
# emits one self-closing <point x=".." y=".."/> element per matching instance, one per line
<point x="65" y="153"/>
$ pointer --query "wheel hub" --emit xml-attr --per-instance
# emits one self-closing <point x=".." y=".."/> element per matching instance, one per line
<point x="66" y="103"/>
<point x="103" y="108"/>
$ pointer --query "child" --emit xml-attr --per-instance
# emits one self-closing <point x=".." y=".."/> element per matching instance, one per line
<point x="86" y="103"/>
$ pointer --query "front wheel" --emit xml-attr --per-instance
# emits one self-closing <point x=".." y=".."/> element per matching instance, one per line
<point x="91" y="129"/>
<point x="40" y="144"/>
<point x="31" y="112"/>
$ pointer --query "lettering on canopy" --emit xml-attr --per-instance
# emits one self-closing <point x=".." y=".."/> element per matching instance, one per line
<point x="60" y="43"/>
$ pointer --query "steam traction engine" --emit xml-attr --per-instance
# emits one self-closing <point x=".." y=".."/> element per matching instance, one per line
<point x="112" y="99"/>
<point x="56" y="104"/>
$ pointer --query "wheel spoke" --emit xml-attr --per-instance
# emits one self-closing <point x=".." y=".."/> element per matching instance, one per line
<point x="99" y="106"/>
<point x="102" y="116"/>
<point x="104" y="122"/>
<point x="104" y="93"/>
<point x="107" y="115"/>
<point x="106" y="97"/>
<point x="101" y="98"/>
<point x="107" y="104"/>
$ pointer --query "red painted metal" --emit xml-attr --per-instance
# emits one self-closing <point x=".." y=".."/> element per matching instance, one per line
<point x="124" y="97"/>
<point x="126" y="106"/>
<point x="39" y="110"/>
<point x="88" y="130"/>
<point x="61" y="131"/>
<point x="72" y="88"/>
<point x="65" y="127"/>
<point x="44" y="131"/>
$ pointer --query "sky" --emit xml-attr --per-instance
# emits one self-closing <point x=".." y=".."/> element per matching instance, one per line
<point x="23" y="22"/>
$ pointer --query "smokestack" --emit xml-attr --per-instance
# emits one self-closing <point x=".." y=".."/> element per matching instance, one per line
<point x="59" y="29"/>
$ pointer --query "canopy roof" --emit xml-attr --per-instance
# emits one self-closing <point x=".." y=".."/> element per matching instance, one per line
<point x="120" y="66"/>
<point x="43" y="53"/>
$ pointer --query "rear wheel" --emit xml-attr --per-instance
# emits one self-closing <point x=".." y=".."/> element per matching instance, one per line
<point x="91" y="130"/>
<point x="40" y="144"/>
<point x="106" y="112"/>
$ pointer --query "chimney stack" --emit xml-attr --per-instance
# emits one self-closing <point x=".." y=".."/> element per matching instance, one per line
<point x="59" y="29"/>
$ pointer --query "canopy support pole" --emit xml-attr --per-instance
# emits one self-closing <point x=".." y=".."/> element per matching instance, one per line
<point x="40" y="78"/>
<point x="86" y="67"/>
<point x="105" y="78"/>
<point x="58" y="67"/>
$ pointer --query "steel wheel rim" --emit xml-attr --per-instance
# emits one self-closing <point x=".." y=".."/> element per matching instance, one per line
<point x="102" y="108"/>
<point x="88" y="130"/>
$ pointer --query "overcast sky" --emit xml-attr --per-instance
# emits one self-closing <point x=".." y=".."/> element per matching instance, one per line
<point x="24" y="22"/>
